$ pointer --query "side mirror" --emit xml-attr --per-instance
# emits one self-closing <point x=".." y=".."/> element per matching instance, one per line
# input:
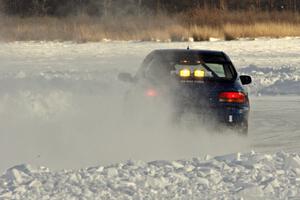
<point x="246" y="79"/>
<point x="126" y="77"/>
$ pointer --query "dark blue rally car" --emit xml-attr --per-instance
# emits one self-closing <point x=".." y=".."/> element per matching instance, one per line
<point x="199" y="81"/>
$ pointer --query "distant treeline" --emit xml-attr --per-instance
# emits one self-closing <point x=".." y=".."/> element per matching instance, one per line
<point x="136" y="7"/>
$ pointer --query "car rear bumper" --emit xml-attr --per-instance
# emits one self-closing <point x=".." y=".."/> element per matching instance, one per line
<point x="231" y="116"/>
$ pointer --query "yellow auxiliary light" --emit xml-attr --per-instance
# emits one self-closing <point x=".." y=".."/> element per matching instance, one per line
<point x="199" y="73"/>
<point x="185" y="73"/>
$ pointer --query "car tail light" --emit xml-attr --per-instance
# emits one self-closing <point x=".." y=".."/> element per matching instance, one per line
<point x="151" y="93"/>
<point x="232" y="97"/>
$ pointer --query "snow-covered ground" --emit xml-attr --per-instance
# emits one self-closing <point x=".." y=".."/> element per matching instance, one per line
<point x="60" y="107"/>
<point x="235" y="176"/>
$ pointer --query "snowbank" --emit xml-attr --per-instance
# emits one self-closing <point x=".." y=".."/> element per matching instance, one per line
<point x="274" y="80"/>
<point x="236" y="176"/>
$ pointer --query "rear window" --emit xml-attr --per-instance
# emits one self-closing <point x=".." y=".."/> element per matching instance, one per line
<point x="218" y="69"/>
<point x="161" y="66"/>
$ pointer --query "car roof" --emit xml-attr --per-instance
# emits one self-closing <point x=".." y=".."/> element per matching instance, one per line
<point x="207" y="55"/>
<point x="214" y="52"/>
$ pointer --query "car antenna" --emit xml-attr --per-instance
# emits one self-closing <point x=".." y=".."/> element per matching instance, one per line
<point x="188" y="47"/>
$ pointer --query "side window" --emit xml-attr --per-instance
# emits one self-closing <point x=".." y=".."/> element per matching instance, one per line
<point x="229" y="71"/>
<point x="158" y="70"/>
<point x="151" y="70"/>
<point x="141" y="73"/>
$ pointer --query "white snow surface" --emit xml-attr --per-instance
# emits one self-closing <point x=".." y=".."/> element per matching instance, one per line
<point x="284" y="80"/>
<point x="235" y="176"/>
<point x="60" y="107"/>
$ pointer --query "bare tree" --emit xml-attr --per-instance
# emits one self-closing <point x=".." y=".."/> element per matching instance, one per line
<point x="257" y="2"/>
<point x="107" y="7"/>
<point x="293" y="5"/>
<point x="44" y="7"/>
<point x="271" y="4"/>
<point x="222" y="5"/>
<point x="139" y="7"/>
<point x="39" y="7"/>
<point x="1" y="7"/>
<point x="158" y="6"/>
